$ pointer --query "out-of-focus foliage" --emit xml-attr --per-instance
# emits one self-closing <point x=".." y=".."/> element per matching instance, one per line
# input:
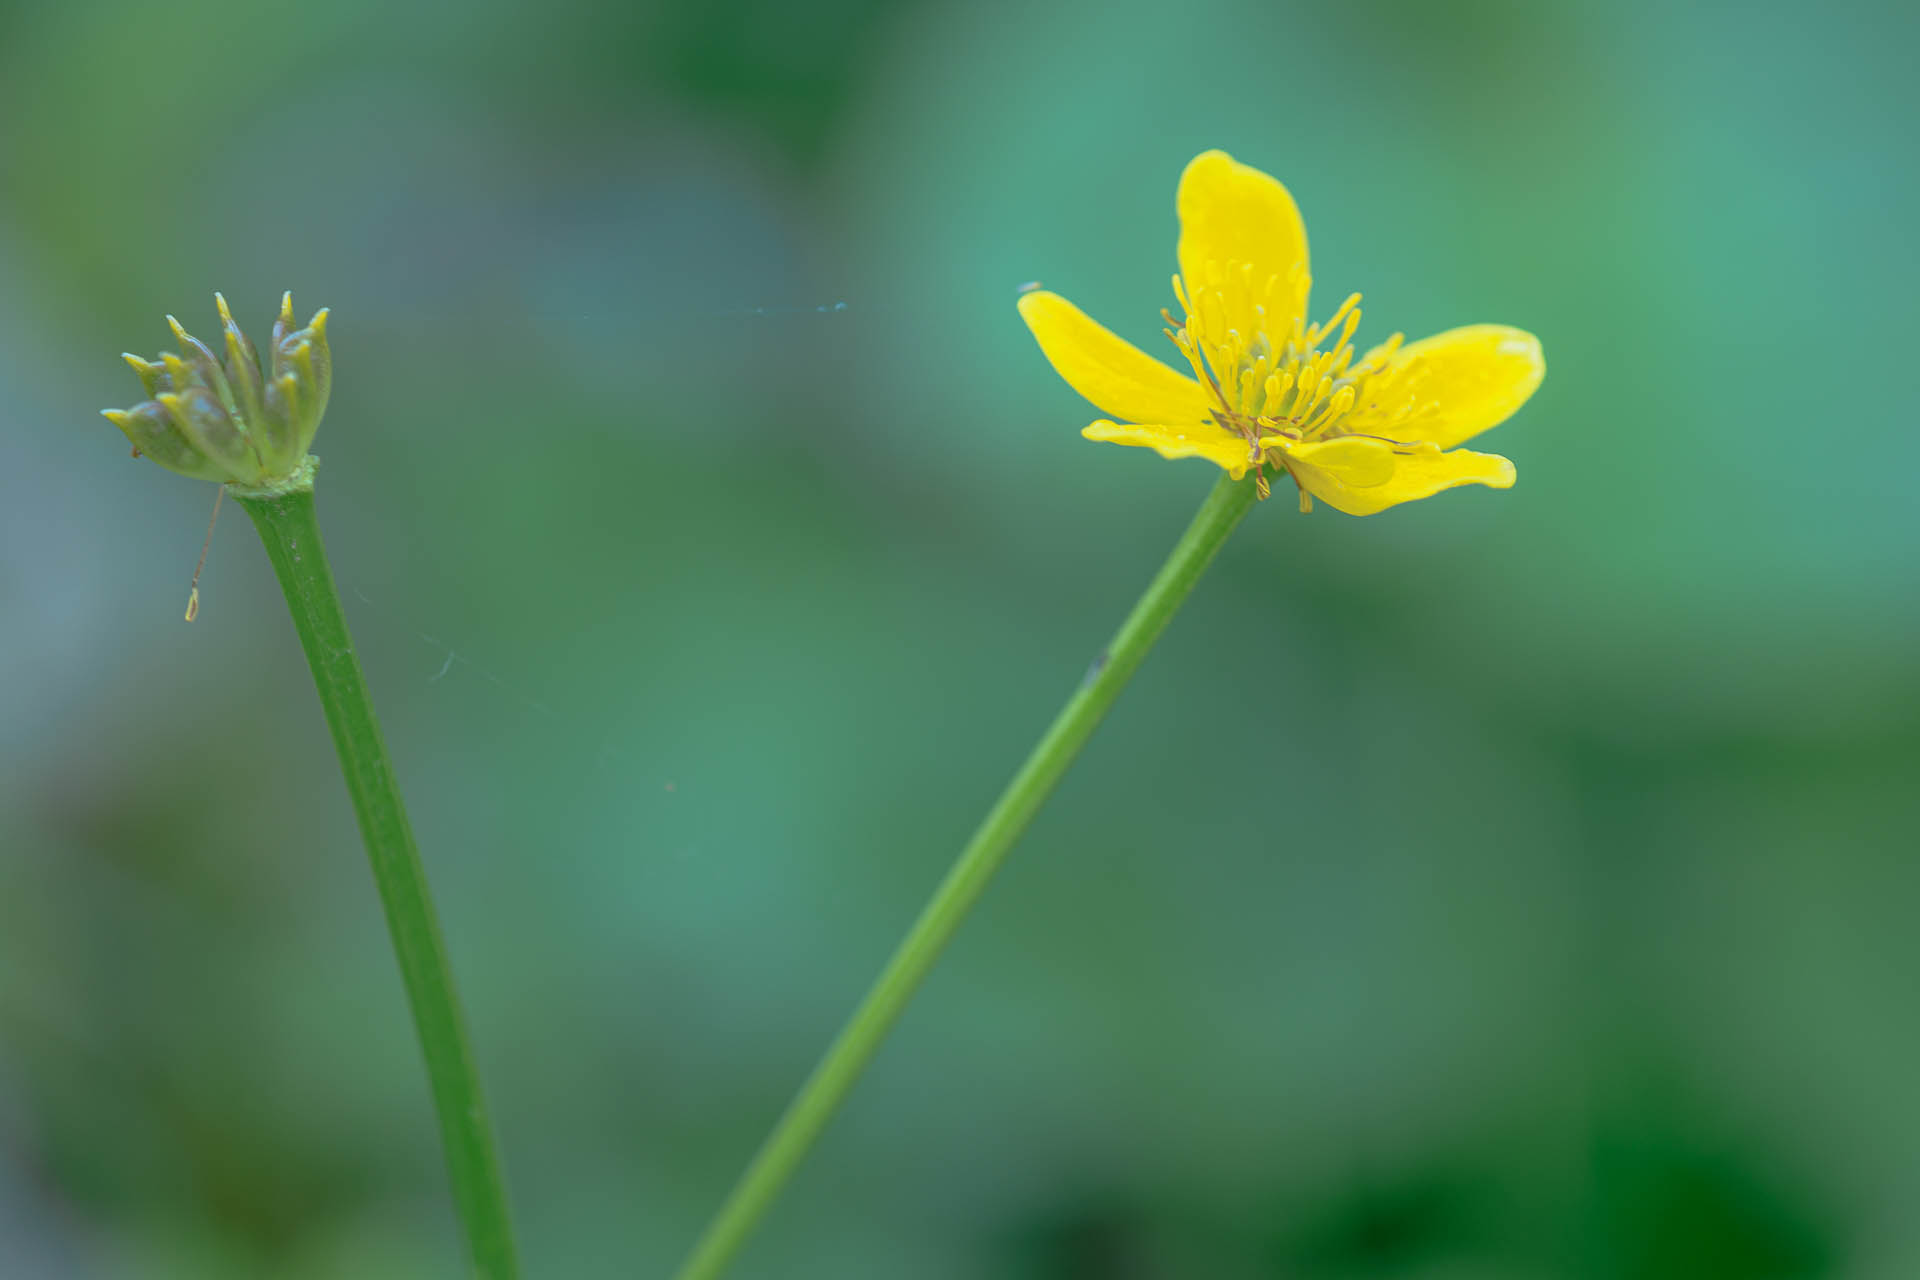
<point x="1549" y="915"/>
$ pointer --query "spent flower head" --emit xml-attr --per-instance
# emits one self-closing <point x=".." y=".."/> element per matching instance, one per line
<point x="1269" y="389"/>
<point x="233" y="420"/>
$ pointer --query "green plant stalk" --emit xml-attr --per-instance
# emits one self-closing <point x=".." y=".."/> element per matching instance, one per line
<point x="820" y="1097"/>
<point x="291" y="533"/>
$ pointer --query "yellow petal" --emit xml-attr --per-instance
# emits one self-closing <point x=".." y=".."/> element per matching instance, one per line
<point x="1449" y="388"/>
<point x="1200" y="440"/>
<point x="1231" y="213"/>
<point x="1358" y="463"/>
<point x="1363" y="475"/>
<point x="1107" y="369"/>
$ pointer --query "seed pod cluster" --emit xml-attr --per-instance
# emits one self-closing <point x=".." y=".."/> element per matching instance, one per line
<point x="230" y="417"/>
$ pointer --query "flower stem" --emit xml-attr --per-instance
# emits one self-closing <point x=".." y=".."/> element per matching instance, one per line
<point x="292" y="536"/>
<point x="814" y="1106"/>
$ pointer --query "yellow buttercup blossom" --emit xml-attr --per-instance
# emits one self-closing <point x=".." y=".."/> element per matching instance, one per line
<point x="1268" y="388"/>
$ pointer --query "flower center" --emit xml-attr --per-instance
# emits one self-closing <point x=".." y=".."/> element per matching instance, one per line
<point x="1297" y="384"/>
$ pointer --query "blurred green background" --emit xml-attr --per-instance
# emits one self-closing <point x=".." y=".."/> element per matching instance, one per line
<point x="1509" y="885"/>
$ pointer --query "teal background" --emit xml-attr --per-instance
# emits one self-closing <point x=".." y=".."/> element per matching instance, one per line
<point x="1509" y="885"/>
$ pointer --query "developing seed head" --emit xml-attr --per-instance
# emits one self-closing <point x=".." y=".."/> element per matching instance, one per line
<point x="229" y="417"/>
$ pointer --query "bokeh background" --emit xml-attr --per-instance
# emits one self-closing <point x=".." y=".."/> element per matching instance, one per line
<point x="1511" y="885"/>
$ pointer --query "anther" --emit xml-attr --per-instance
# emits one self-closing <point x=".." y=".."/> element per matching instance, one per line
<point x="1346" y="335"/>
<point x="1340" y="313"/>
<point x="193" y="589"/>
<point x="1335" y="409"/>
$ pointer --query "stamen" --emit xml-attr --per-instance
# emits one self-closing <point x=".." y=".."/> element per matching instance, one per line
<point x="1343" y="349"/>
<point x="1320" y="389"/>
<point x="193" y="588"/>
<point x="1384" y="357"/>
<point x="1336" y="409"/>
<point x="1297" y="405"/>
<point x="1220" y="359"/>
<point x="1184" y="341"/>
<point x="1322" y="330"/>
<point x="1297" y="384"/>
<point x="1297" y="338"/>
<point x="1278" y="385"/>
<point x="1212" y="316"/>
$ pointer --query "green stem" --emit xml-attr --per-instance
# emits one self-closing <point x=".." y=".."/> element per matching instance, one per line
<point x="814" y="1106"/>
<point x="292" y="536"/>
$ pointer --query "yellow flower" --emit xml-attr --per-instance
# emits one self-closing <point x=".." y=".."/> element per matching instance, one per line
<point x="1270" y="389"/>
